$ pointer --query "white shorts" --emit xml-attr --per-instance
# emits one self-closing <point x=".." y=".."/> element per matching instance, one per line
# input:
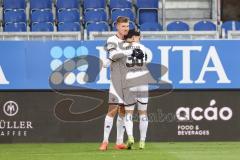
<point x="115" y="94"/>
<point x="115" y="89"/>
<point x="134" y="95"/>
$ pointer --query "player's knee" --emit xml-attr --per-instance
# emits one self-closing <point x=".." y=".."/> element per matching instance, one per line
<point x="112" y="111"/>
<point x="129" y="112"/>
<point x="121" y="111"/>
<point x="111" y="114"/>
<point x="142" y="112"/>
<point x="129" y="109"/>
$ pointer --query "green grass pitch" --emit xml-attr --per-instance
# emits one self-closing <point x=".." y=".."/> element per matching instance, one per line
<point x="153" y="151"/>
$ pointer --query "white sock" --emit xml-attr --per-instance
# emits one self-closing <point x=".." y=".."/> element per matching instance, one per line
<point x="107" y="127"/>
<point x="128" y="124"/>
<point x="120" y="129"/>
<point x="143" y="126"/>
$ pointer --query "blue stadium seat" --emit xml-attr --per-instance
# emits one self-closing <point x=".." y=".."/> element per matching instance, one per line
<point x="151" y="27"/>
<point x="148" y="15"/>
<point x="69" y="16"/>
<point x="94" y="4"/>
<point x="95" y="15"/>
<point x="205" y="26"/>
<point x="14" y="4"/>
<point x="42" y="27"/>
<point x="69" y="27"/>
<point x="40" y="5"/>
<point x="67" y="4"/>
<point x="178" y="26"/>
<point x="147" y="11"/>
<point x="116" y="4"/>
<point x="123" y="12"/>
<point x="131" y="26"/>
<point x="230" y="26"/>
<point x="42" y="16"/>
<point x="15" y="27"/>
<point x="14" y="16"/>
<point x="147" y="4"/>
<point x="97" y="26"/>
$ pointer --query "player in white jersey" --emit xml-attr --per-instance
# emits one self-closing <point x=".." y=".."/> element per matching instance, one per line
<point x="135" y="79"/>
<point x="116" y="52"/>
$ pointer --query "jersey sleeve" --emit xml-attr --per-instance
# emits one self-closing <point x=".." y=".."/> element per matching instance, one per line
<point x="111" y="44"/>
<point x="114" y="53"/>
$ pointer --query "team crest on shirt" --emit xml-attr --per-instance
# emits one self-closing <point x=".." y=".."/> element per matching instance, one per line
<point x="126" y="45"/>
<point x="110" y="46"/>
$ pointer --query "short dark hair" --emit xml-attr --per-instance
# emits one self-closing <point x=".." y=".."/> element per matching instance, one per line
<point x="131" y="33"/>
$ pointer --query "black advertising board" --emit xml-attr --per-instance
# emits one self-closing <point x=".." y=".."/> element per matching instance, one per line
<point x="78" y="116"/>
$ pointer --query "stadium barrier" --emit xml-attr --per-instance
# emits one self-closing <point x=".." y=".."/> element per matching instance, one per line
<point x="233" y="34"/>
<point x="26" y="36"/>
<point x="163" y="35"/>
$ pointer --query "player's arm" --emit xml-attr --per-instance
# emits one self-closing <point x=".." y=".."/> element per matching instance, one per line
<point x="113" y="53"/>
<point x="116" y="55"/>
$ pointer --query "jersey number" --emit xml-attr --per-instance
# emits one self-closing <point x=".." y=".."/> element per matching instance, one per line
<point x="133" y="61"/>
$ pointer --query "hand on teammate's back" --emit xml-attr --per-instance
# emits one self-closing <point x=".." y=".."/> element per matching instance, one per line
<point x="138" y="53"/>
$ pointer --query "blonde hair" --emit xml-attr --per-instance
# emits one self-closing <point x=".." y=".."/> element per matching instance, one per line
<point x="122" y="19"/>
